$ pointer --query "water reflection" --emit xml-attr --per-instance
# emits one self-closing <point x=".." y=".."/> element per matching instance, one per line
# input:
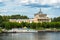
<point x="23" y="36"/>
<point x="31" y="36"/>
<point x="49" y="36"/>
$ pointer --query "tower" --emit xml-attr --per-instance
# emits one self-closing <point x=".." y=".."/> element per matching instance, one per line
<point x="40" y="12"/>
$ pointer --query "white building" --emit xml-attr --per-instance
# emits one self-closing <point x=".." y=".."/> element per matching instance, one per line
<point x="38" y="17"/>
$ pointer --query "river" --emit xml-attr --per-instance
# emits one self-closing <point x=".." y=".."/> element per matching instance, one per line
<point x="31" y="36"/>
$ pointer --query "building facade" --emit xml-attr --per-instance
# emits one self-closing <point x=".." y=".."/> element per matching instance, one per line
<point x="38" y="17"/>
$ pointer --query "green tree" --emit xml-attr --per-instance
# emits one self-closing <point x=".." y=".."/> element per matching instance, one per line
<point x="33" y="25"/>
<point x="39" y="25"/>
<point x="1" y="19"/>
<point x="6" y="25"/>
<point x="56" y="19"/>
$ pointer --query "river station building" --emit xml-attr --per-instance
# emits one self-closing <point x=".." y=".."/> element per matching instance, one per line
<point x="38" y="17"/>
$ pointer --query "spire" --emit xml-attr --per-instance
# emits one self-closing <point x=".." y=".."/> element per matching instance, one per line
<point x="40" y="9"/>
<point x="40" y="12"/>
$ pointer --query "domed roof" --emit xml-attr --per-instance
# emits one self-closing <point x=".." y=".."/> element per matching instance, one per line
<point x="40" y="13"/>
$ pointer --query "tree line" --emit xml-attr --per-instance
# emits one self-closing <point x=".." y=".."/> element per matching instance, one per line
<point x="56" y="19"/>
<point x="16" y="17"/>
<point x="4" y="20"/>
<point x="4" y="23"/>
<point x="10" y="25"/>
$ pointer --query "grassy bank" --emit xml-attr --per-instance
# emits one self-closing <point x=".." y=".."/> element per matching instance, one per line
<point x="49" y="29"/>
<point x="0" y="30"/>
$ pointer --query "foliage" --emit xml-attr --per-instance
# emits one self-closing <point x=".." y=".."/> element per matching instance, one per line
<point x="4" y="23"/>
<point x="0" y="29"/>
<point x="16" y="17"/>
<point x="56" y="19"/>
<point x="1" y="19"/>
<point x="9" y="25"/>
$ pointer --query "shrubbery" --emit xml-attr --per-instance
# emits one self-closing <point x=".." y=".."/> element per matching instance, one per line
<point x="9" y="25"/>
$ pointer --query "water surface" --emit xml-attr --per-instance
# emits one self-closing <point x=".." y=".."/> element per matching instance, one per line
<point x="31" y="36"/>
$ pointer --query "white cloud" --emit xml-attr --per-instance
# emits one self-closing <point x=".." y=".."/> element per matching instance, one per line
<point x="43" y="2"/>
<point x="54" y="3"/>
<point x="51" y="16"/>
<point x="24" y="1"/>
<point x="33" y="1"/>
<point x="0" y="0"/>
<point x="56" y="6"/>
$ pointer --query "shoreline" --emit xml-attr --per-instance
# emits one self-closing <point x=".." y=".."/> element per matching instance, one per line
<point x="48" y="30"/>
<point x="29" y="31"/>
<point x="35" y="32"/>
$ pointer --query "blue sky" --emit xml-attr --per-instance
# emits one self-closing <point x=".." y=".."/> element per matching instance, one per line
<point x="30" y="7"/>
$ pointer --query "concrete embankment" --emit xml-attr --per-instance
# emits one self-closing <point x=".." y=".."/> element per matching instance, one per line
<point x="48" y="30"/>
<point x="19" y="30"/>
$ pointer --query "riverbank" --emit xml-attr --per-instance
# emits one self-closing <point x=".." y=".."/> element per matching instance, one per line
<point x="0" y="30"/>
<point x="35" y="32"/>
<point x="49" y="30"/>
<point x="19" y="30"/>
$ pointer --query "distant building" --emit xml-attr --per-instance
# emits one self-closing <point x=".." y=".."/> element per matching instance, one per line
<point x="38" y="17"/>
